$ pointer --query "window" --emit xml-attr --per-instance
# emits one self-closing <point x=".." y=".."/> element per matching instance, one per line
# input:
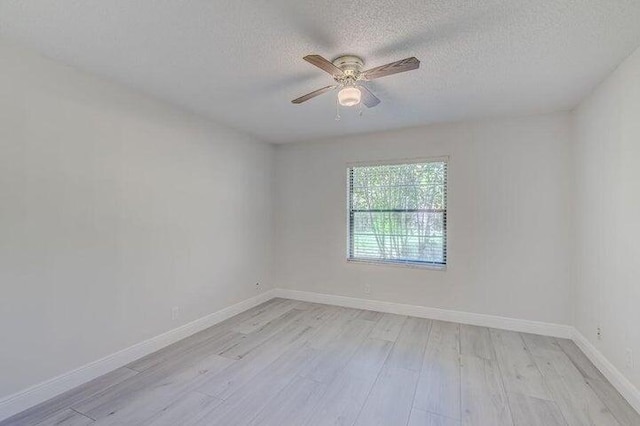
<point x="398" y="213"/>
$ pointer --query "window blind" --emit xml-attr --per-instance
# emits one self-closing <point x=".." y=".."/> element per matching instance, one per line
<point x="398" y="213"/>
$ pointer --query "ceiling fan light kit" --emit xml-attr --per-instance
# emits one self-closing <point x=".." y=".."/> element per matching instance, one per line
<point x="347" y="72"/>
<point x="349" y="96"/>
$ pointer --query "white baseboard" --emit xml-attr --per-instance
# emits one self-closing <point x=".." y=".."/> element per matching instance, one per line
<point x="513" y="324"/>
<point x="617" y="379"/>
<point x="41" y="392"/>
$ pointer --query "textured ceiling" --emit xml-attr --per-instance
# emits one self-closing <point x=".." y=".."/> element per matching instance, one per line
<point x="240" y="62"/>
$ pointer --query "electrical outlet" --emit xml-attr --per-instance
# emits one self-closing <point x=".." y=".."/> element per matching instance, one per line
<point x="175" y="313"/>
<point x="599" y="333"/>
<point x="366" y="288"/>
<point x="629" y="358"/>
<point x="257" y="286"/>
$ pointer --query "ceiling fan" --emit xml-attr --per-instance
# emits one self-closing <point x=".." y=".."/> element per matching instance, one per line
<point x="348" y="74"/>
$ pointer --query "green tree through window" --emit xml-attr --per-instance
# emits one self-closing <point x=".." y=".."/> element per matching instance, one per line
<point x="398" y="213"/>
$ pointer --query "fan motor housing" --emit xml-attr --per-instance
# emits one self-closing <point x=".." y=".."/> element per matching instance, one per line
<point x="351" y="65"/>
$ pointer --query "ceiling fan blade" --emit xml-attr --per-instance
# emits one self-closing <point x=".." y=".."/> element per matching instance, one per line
<point x="368" y="99"/>
<point x="324" y="65"/>
<point x="407" y="64"/>
<point x="313" y="94"/>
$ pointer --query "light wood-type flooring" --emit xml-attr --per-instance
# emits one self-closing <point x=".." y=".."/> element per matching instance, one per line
<point x="295" y="363"/>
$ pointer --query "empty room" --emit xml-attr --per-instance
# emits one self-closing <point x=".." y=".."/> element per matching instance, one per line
<point x="304" y="213"/>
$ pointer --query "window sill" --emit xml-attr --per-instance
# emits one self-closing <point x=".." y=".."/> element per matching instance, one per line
<point x="410" y="265"/>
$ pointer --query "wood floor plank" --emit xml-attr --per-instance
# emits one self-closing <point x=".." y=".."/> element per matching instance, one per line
<point x="576" y="400"/>
<point x="234" y="321"/>
<point x="370" y="315"/>
<point x="619" y="407"/>
<point x="347" y="392"/>
<point x="66" y="418"/>
<point x="539" y="345"/>
<point x="338" y="353"/>
<point x="306" y="306"/>
<point x="176" y="350"/>
<point x="72" y="397"/>
<point x="369" y="358"/>
<point x="484" y="401"/>
<point x="410" y="345"/>
<point x="246" y="402"/>
<point x="335" y="324"/>
<point x="424" y="418"/>
<point x="188" y="408"/>
<point x="476" y="341"/>
<point x="249" y="342"/>
<point x="258" y="321"/>
<point x="388" y="327"/>
<point x="222" y="330"/>
<point x="101" y="402"/>
<point x="129" y="408"/>
<point x="390" y="400"/>
<point x="579" y="359"/>
<point x="351" y="313"/>
<point x="342" y="401"/>
<point x="223" y="384"/>
<point x="530" y="411"/>
<point x="438" y="389"/>
<point x="317" y="315"/>
<point x="293" y="405"/>
<point x="519" y="372"/>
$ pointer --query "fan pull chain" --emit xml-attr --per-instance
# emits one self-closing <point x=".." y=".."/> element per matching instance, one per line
<point x="337" y="110"/>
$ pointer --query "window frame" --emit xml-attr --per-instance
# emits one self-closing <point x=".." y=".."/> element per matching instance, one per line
<point x="398" y="263"/>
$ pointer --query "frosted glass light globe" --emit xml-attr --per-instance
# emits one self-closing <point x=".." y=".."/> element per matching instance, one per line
<point x="349" y="96"/>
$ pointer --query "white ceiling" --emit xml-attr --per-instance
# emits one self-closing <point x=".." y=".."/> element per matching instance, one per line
<point x="240" y="62"/>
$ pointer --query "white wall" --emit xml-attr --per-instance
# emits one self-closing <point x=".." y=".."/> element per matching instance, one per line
<point x="508" y="208"/>
<point x="113" y="209"/>
<point x="607" y="216"/>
